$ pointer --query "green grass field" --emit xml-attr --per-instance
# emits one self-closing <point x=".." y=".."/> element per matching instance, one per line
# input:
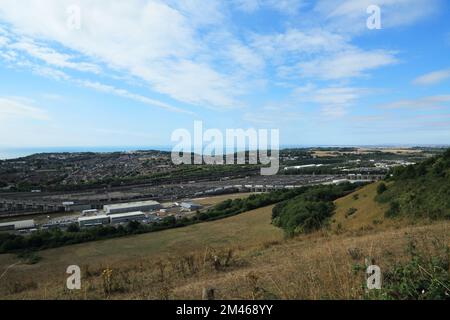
<point x="244" y="230"/>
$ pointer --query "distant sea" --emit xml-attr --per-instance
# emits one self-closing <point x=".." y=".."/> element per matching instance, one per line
<point x="13" y="153"/>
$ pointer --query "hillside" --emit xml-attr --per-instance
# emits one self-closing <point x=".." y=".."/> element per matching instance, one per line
<point x="421" y="191"/>
<point x="411" y="194"/>
<point x="360" y="211"/>
<point x="243" y="256"/>
<point x="245" y="230"/>
<point x="256" y="264"/>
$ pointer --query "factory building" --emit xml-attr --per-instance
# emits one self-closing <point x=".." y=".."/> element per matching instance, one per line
<point x="89" y="212"/>
<point x="191" y="206"/>
<point x="93" y="221"/>
<point x="127" y="217"/>
<point x="17" y="225"/>
<point x="131" y="207"/>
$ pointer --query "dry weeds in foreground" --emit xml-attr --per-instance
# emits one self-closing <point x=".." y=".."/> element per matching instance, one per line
<point x="318" y="266"/>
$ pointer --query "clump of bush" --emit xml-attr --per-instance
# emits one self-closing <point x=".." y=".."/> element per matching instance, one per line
<point x="421" y="278"/>
<point x="310" y="210"/>
<point x="350" y="212"/>
<point x="381" y="188"/>
<point x="421" y="190"/>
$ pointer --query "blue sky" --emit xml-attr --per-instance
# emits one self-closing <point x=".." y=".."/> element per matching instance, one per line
<point x="135" y="71"/>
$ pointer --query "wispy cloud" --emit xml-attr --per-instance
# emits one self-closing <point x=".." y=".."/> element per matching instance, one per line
<point x="52" y="57"/>
<point x="320" y="54"/>
<point x="284" y="6"/>
<point x="351" y="15"/>
<point x="332" y="101"/>
<point x="347" y="64"/>
<point x="20" y="108"/>
<point x="162" y="44"/>
<point x="434" y="77"/>
<point x="425" y="103"/>
<point x="126" y="94"/>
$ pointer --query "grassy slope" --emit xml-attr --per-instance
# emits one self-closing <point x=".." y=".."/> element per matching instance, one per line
<point x="263" y="265"/>
<point x="368" y="210"/>
<point x="247" y="229"/>
<point x="209" y="201"/>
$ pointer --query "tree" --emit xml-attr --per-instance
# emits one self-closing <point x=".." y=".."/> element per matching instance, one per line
<point x="133" y="226"/>
<point x="381" y="188"/>
<point x="73" y="228"/>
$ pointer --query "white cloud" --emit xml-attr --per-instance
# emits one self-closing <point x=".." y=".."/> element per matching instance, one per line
<point x="284" y="6"/>
<point x="347" y="64"/>
<point x="47" y="72"/>
<point x="300" y="42"/>
<point x="351" y="15"/>
<point x="246" y="57"/>
<point x="52" y="57"/>
<point x="432" y="77"/>
<point x="200" y="12"/>
<point x="126" y="94"/>
<point x="3" y="41"/>
<point x="20" y="108"/>
<point x="333" y="101"/>
<point x="189" y="51"/>
<point x="425" y="103"/>
<point x="149" y="40"/>
<point x="320" y="54"/>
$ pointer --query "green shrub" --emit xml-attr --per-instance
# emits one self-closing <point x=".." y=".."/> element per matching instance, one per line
<point x="421" y="278"/>
<point x="381" y="188"/>
<point x="421" y="190"/>
<point x="310" y="210"/>
<point x="350" y="212"/>
<point x="393" y="210"/>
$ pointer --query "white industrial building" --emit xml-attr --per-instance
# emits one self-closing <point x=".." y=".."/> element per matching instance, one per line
<point x="93" y="221"/>
<point x="131" y="207"/>
<point x="88" y="212"/>
<point x="127" y="217"/>
<point x="17" y="225"/>
<point x="191" y="206"/>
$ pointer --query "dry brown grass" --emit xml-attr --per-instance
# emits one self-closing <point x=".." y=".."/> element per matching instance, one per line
<point x="318" y="266"/>
<point x="368" y="213"/>
<point x="210" y="201"/>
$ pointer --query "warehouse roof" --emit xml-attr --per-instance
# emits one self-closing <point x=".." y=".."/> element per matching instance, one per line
<point x="93" y="218"/>
<point x="131" y="204"/>
<point x="24" y="224"/>
<point x="125" y="215"/>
